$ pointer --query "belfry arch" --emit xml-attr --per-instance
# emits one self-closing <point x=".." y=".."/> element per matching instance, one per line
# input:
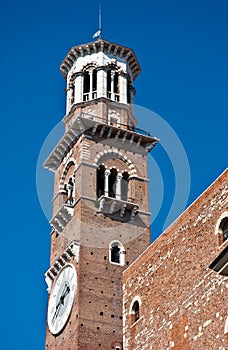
<point x="113" y="174"/>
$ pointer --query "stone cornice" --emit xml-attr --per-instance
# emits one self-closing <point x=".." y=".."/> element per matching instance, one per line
<point x="71" y="252"/>
<point x="100" y="46"/>
<point x="94" y="127"/>
<point x="62" y="217"/>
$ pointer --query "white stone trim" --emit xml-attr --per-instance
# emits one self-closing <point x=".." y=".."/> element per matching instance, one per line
<point x="136" y="298"/>
<point x="131" y="168"/>
<point x="70" y="162"/>
<point x="117" y="243"/>
<point x="222" y="216"/>
<point x="71" y="252"/>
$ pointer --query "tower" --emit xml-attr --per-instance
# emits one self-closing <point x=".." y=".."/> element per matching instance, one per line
<point x="101" y="220"/>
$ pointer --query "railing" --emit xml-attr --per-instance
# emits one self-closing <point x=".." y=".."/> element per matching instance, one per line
<point x="116" y="97"/>
<point x="113" y="96"/>
<point x="86" y="97"/>
<point x="125" y="126"/>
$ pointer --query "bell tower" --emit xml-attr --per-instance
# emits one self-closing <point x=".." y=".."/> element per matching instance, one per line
<point x="101" y="219"/>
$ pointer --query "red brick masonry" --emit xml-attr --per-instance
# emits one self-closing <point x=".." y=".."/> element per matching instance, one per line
<point x="183" y="302"/>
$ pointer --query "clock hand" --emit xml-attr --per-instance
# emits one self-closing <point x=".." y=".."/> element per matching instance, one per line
<point x="66" y="290"/>
<point x="56" y="311"/>
<point x="58" y="305"/>
<point x="63" y="296"/>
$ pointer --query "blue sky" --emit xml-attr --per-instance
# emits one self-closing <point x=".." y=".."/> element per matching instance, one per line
<point x="182" y="49"/>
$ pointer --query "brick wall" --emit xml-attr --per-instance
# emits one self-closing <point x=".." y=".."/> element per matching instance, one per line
<point x="183" y="302"/>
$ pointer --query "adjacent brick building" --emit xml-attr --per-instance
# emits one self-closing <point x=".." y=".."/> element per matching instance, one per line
<point x="172" y="299"/>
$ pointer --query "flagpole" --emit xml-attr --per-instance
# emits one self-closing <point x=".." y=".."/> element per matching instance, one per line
<point x="100" y="19"/>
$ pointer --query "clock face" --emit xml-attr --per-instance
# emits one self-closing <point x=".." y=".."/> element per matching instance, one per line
<point x="62" y="298"/>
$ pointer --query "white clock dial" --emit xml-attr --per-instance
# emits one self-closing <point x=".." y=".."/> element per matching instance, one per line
<point x="62" y="298"/>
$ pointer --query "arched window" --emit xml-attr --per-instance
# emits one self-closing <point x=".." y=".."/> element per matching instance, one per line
<point x="109" y="84"/>
<point x="94" y="88"/>
<point x="86" y="85"/>
<point x="135" y="309"/>
<point x="90" y="83"/>
<point x="100" y="180"/>
<point x="128" y="92"/>
<point x="116" y="253"/>
<point x="112" y="183"/>
<point x="116" y="83"/>
<point x="224" y="228"/>
<point x="69" y="188"/>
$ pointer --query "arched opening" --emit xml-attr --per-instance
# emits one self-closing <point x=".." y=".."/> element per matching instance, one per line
<point x="224" y="229"/>
<point x="109" y="83"/>
<point x="124" y="186"/>
<point x="112" y="183"/>
<point x="86" y="84"/>
<point x="69" y="188"/>
<point x="100" y="180"/>
<point x="94" y="85"/>
<point x="135" y="311"/>
<point x="116" y="83"/>
<point x="94" y="80"/>
<point x="128" y="92"/>
<point x="116" y="253"/>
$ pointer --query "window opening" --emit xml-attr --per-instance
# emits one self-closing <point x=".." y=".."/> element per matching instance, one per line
<point x="70" y="190"/>
<point x="128" y="92"/>
<point x="100" y="180"/>
<point x="86" y="82"/>
<point x="224" y="228"/>
<point x="112" y="183"/>
<point x="135" y="311"/>
<point x="116" y="83"/>
<point x="115" y="254"/>
<point x="94" y="80"/>
<point x="109" y="84"/>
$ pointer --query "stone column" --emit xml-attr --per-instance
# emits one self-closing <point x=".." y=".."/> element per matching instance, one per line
<point x="69" y="95"/>
<point x="123" y="88"/>
<point x="118" y="186"/>
<point x="101" y="83"/>
<point x="78" y="90"/>
<point x="90" y="84"/>
<point x="107" y="173"/>
<point x="112" y="86"/>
